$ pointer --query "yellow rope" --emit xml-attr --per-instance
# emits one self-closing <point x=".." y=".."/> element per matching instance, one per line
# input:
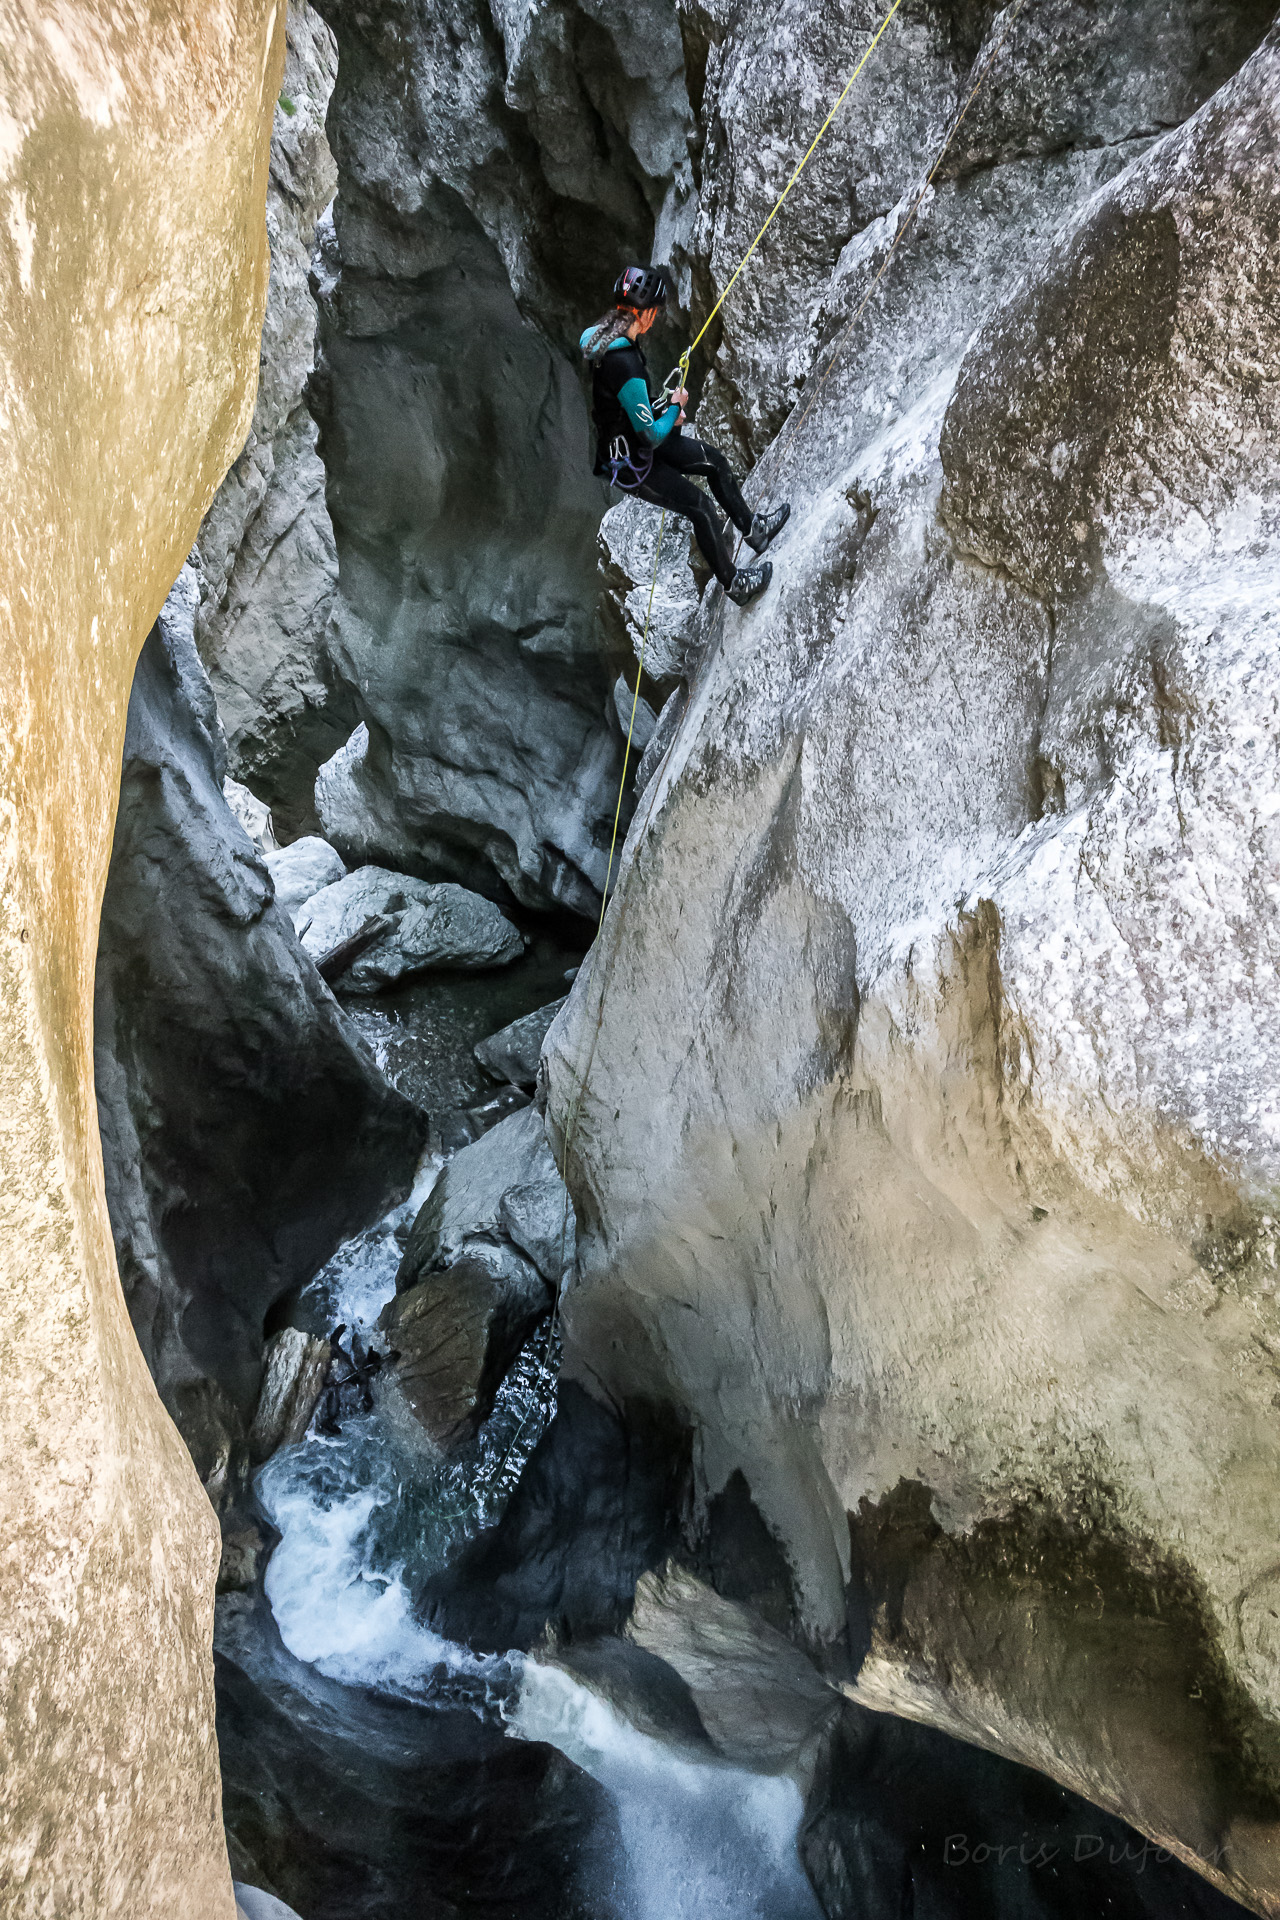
<point x="571" y="1123"/>
<point x="797" y="420"/>
<point x="877" y="37"/>
<point x="635" y="701"/>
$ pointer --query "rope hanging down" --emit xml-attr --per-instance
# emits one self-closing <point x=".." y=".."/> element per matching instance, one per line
<point x="793" y="426"/>
<point x="680" y="373"/>
<point x="571" y="1121"/>
<point x="797" y="420"/>
<point x="677" y="380"/>
<point x="849" y="84"/>
<point x="683" y="369"/>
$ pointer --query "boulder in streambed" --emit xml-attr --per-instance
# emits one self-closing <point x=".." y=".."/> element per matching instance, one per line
<point x="254" y="815"/>
<point x="479" y="1271"/>
<point x="294" y="1371"/>
<point x="302" y="870"/>
<point x="455" y="1334"/>
<point x="761" y="1699"/>
<point x="503" y="1189"/>
<point x="512" y="1053"/>
<point x="431" y="925"/>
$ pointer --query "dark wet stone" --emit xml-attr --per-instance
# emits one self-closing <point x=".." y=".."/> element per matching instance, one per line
<point x="352" y="1805"/>
<point x="598" y="1506"/>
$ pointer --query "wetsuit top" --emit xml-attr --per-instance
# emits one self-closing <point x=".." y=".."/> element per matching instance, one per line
<point x="622" y="403"/>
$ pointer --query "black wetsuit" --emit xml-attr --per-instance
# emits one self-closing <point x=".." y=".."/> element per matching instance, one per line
<point x="663" y="453"/>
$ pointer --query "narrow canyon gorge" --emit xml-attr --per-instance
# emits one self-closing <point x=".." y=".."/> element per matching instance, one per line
<point x="639" y="1233"/>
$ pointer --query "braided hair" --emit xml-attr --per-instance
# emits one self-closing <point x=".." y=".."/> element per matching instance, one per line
<point x="610" y="327"/>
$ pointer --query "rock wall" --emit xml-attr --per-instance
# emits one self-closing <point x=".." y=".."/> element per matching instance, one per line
<point x="265" y="553"/>
<point x="133" y="267"/>
<point x="927" y="1161"/>
<point x="497" y="165"/>
<point x="246" y="1130"/>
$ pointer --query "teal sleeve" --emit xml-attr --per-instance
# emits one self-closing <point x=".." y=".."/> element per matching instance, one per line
<point x="634" y="401"/>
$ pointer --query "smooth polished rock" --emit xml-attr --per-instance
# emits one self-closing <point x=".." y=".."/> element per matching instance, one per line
<point x="512" y="1053"/>
<point x="432" y="926"/>
<point x="301" y="870"/>
<point x="481" y="1266"/>
<point x="943" y="954"/>
<point x="245" y="1130"/>
<point x="455" y="1334"/>
<point x="133" y="269"/>
<point x="504" y="1184"/>
<point x="294" y="1367"/>
<point x="763" y="1704"/>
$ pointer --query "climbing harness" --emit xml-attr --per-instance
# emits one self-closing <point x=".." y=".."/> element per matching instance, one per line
<point x="620" y="460"/>
<point x="494" y="1476"/>
<point x="675" y="382"/>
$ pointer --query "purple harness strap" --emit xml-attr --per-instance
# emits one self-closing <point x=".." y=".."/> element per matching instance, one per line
<point x="620" y="461"/>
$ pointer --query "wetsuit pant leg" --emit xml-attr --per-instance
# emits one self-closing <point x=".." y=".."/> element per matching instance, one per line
<point x="687" y="454"/>
<point x="667" y="487"/>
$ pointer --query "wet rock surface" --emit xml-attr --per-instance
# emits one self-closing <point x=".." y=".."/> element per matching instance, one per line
<point x="900" y="1818"/>
<point x="504" y="1188"/>
<point x="597" y="1506"/>
<point x="481" y="1268"/>
<point x="763" y="1703"/>
<point x="424" y="1033"/>
<point x="245" y="1130"/>
<point x="351" y="1805"/>
<point x="512" y="1054"/>
<point x="454" y="1335"/>
<point x="293" y="1373"/>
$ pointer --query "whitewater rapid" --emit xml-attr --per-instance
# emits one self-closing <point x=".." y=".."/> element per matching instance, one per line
<point x="359" y="1523"/>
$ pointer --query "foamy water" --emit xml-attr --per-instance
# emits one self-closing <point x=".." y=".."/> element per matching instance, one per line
<point x="702" y="1842"/>
<point x="360" y="1524"/>
<point x="338" y="1594"/>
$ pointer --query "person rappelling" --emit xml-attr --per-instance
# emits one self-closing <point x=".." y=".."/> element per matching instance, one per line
<point x="642" y="446"/>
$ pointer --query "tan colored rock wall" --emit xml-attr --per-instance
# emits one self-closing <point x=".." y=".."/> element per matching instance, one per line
<point x="133" y="266"/>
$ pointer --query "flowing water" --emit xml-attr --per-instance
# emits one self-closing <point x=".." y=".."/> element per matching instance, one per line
<point x="365" y="1515"/>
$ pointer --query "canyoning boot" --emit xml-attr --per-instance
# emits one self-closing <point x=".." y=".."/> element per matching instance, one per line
<point x="749" y="581"/>
<point x="767" y="526"/>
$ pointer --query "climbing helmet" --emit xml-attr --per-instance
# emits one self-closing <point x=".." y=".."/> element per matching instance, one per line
<point x="642" y="288"/>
